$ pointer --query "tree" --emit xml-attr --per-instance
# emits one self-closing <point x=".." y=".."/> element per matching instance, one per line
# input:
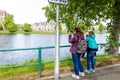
<point x="12" y="27"/>
<point x="89" y="12"/>
<point x="27" y="27"/>
<point x="101" y="27"/>
<point x="8" y="19"/>
<point x="9" y="23"/>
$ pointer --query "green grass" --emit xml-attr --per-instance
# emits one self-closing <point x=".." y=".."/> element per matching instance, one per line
<point x="107" y="57"/>
<point x="32" y="32"/>
<point x="22" y="32"/>
<point x="18" y="71"/>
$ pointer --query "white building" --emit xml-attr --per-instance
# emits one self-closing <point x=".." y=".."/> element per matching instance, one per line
<point x="44" y="26"/>
<point x="2" y="15"/>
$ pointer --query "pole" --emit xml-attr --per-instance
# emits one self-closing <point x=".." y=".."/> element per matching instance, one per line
<point x="57" y="48"/>
<point x="39" y="62"/>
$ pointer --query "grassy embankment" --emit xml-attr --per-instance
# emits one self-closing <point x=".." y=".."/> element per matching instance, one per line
<point x="32" y="32"/>
<point x="18" y="71"/>
<point x="42" y="32"/>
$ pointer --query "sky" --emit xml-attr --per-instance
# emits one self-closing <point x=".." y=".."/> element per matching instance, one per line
<point x="25" y="11"/>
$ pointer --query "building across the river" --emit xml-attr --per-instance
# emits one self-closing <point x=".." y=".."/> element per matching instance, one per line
<point x="44" y="26"/>
<point x="2" y="15"/>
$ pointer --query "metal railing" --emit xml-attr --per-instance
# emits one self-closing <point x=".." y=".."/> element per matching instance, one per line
<point x="39" y="63"/>
<point x="39" y="57"/>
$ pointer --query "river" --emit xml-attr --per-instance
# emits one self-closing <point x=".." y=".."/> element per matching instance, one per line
<point x="12" y="41"/>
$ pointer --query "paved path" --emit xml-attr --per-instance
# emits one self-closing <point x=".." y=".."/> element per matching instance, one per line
<point x="105" y="73"/>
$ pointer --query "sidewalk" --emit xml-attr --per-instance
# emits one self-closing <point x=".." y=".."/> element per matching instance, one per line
<point x="105" y="73"/>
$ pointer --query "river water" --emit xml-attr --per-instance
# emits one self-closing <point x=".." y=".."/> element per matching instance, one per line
<point x="12" y="41"/>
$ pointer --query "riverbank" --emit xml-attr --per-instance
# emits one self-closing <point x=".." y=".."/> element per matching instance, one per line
<point x="32" y="32"/>
<point x="43" y="32"/>
<point x="48" y="69"/>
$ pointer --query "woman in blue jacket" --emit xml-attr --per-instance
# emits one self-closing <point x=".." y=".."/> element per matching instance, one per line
<point x="91" y="51"/>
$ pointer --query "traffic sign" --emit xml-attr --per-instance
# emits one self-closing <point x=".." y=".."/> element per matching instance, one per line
<point x="63" y="2"/>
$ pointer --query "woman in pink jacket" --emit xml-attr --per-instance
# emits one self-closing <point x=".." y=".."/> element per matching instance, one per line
<point x="73" y="39"/>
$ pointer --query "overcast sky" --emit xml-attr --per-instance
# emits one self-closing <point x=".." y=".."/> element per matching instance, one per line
<point x="25" y="11"/>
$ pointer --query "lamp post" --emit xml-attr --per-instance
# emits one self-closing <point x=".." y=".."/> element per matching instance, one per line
<point x="57" y="37"/>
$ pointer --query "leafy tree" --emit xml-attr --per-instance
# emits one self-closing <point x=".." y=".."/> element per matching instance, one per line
<point x="9" y="23"/>
<point x="101" y="27"/>
<point x="27" y="27"/>
<point x="89" y="12"/>
<point x="8" y="19"/>
<point x="12" y="27"/>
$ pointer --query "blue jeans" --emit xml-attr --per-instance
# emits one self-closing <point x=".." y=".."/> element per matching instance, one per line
<point x="77" y="64"/>
<point x="90" y="59"/>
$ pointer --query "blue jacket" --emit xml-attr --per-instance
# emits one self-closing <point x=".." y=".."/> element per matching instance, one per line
<point x="91" y="41"/>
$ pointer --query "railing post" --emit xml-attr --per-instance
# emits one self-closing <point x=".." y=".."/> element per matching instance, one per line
<point x="39" y="62"/>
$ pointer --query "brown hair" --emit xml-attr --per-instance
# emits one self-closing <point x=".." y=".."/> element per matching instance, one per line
<point x="91" y="32"/>
<point x="78" y="30"/>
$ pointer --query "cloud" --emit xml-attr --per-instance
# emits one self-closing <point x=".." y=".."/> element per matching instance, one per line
<point x="25" y="11"/>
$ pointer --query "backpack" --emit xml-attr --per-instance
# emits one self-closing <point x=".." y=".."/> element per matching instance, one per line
<point x="81" y="46"/>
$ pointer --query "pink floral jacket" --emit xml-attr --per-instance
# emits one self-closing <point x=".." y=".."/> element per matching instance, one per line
<point x="74" y="41"/>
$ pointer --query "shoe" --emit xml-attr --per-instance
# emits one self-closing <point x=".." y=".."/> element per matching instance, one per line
<point x="92" y="70"/>
<point x="87" y="71"/>
<point x="81" y="74"/>
<point x="81" y="59"/>
<point x="75" y="76"/>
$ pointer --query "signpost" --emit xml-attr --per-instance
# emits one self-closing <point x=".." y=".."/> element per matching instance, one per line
<point x="63" y="2"/>
<point x="57" y="46"/>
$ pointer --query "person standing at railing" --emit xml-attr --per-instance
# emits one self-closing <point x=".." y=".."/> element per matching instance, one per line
<point x="83" y="54"/>
<point x="73" y="39"/>
<point x="91" y="51"/>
